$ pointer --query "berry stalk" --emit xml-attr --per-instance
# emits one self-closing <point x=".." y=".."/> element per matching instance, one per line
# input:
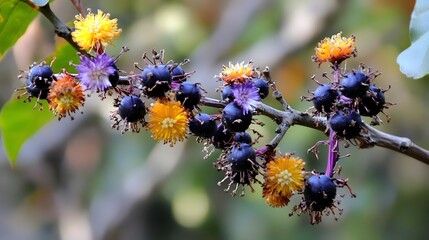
<point x="333" y="141"/>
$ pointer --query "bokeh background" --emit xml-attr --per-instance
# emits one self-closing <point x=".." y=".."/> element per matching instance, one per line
<point x="82" y="180"/>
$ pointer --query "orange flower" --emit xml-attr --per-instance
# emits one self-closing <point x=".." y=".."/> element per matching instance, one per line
<point x="335" y="49"/>
<point x="168" y="121"/>
<point x="65" y="96"/>
<point x="284" y="176"/>
<point x="237" y="73"/>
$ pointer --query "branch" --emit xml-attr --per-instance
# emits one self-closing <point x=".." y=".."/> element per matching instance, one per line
<point x="370" y="138"/>
<point x="374" y="137"/>
<point x="61" y="29"/>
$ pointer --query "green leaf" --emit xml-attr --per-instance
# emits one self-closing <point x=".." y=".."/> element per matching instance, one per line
<point x="15" y="16"/>
<point x="18" y="122"/>
<point x="414" y="61"/>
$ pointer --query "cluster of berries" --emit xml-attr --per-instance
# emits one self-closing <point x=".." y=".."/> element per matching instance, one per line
<point x="174" y="111"/>
<point x="174" y="98"/>
<point x="345" y="102"/>
<point x="243" y="88"/>
<point x="347" y="97"/>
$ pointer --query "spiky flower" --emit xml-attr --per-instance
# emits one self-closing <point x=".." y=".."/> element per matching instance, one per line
<point x="65" y="96"/>
<point x="95" y="30"/>
<point x="335" y="49"/>
<point x="94" y="73"/>
<point x="168" y="121"/>
<point x="246" y="95"/>
<point x="284" y="176"/>
<point x="238" y="73"/>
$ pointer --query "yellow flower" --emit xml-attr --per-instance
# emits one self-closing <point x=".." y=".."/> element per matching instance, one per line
<point x="284" y="176"/>
<point x="65" y="96"/>
<point x="168" y="121"/>
<point x="93" y="30"/>
<point x="335" y="49"/>
<point x="237" y="73"/>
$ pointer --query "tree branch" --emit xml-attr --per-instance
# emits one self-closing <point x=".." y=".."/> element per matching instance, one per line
<point x="61" y="29"/>
<point x="369" y="138"/>
<point x="374" y="137"/>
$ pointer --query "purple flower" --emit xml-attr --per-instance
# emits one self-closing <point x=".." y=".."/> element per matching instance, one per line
<point x="94" y="72"/>
<point x="246" y="96"/>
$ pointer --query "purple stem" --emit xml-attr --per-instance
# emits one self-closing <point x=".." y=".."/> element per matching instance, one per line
<point x="333" y="141"/>
<point x="332" y="153"/>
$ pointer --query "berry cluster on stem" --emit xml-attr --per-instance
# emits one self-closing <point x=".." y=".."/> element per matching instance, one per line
<point x="161" y="99"/>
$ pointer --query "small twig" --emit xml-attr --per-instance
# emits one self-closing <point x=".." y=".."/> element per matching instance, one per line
<point x="276" y="93"/>
<point x="282" y="129"/>
<point x="78" y="5"/>
<point x="211" y="102"/>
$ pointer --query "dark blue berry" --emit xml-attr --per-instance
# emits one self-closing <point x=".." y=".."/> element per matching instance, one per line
<point x="41" y="93"/>
<point x="38" y="81"/>
<point x="227" y="94"/>
<point x="346" y="123"/>
<point x="132" y="109"/>
<point x="114" y="78"/>
<point x="319" y="192"/>
<point x="40" y="76"/>
<point x="222" y="137"/>
<point x="189" y="95"/>
<point x="241" y="157"/>
<point x="234" y="119"/>
<point x="355" y="84"/>
<point x="156" y="80"/>
<point x="242" y="137"/>
<point x="263" y="88"/>
<point x="203" y="125"/>
<point x="324" y="98"/>
<point x="177" y="73"/>
<point x="373" y="102"/>
<point x="242" y="165"/>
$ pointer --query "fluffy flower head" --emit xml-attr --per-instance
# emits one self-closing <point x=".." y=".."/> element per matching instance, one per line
<point x="284" y="176"/>
<point x="95" y="29"/>
<point x="246" y="96"/>
<point x="237" y="73"/>
<point x="168" y="121"/>
<point x="335" y="49"/>
<point x="65" y="96"/>
<point x="94" y="73"/>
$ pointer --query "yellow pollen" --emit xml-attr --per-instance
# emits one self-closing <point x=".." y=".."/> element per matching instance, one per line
<point x="284" y="178"/>
<point x="168" y="122"/>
